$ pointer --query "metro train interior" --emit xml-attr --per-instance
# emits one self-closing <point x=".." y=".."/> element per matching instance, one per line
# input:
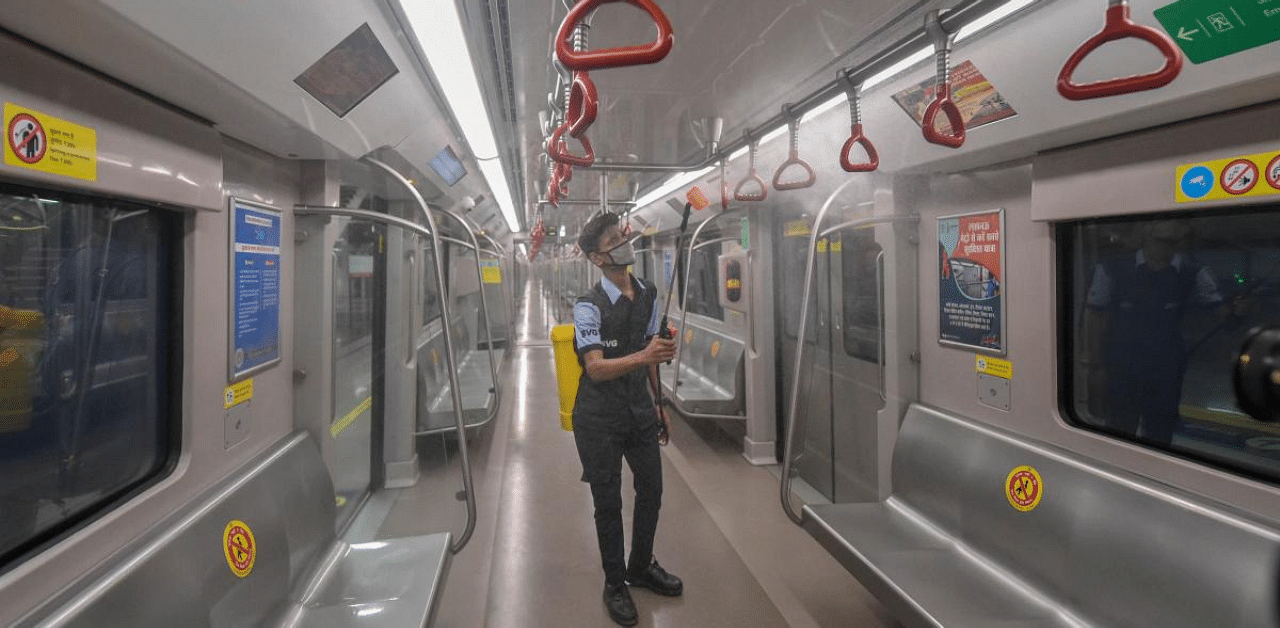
<point x="976" y="306"/>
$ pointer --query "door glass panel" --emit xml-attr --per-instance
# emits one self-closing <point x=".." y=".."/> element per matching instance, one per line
<point x="356" y="256"/>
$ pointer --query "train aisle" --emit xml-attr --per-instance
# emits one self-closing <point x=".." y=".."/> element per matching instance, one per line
<point x="533" y="561"/>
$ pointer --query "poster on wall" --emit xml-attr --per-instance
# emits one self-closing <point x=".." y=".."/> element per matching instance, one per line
<point x="971" y="281"/>
<point x="255" y="288"/>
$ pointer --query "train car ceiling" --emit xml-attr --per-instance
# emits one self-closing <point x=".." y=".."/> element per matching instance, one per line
<point x="234" y="66"/>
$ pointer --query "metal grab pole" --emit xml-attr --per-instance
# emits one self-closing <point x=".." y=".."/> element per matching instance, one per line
<point x="484" y="307"/>
<point x="684" y="293"/>
<point x="450" y="354"/>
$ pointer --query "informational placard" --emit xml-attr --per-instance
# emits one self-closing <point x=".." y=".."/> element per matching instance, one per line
<point x="975" y="97"/>
<point x="491" y="271"/>
<point x="971" y="281"/>
<point x="1211" y="29"/>
<point x="255" y="288"/>
<point x="1234" y="177"/>
<point x="39" y="141"/>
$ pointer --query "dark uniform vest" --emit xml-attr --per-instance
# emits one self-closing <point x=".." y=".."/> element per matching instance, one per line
<point x="624" y="402"/>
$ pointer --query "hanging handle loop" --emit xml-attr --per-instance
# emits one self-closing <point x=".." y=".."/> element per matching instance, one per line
<point x="1119" y="26"/>
<point x="558" y="149"/>
<point x="856" y="135"/>
<point x="738" y="194"/>
<point x="612" y="57"/>
<point x="942" y="41"/>
<point x="583" y="104"/>
<point x="793" y="158"/>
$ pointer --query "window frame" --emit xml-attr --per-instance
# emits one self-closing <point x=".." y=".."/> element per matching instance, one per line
<point x="171" y="261"/>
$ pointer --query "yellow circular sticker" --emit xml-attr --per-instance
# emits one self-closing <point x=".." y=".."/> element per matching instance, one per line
<point x="239" y="547"/>
<point x="1024" y="488"/>
<point x="715" y="348"/>
<point x="435" y="356"/>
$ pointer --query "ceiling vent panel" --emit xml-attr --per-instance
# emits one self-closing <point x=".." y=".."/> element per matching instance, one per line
<point x="348" y="73"/>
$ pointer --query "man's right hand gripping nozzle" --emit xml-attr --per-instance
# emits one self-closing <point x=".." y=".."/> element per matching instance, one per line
<point x="659" y="350"/>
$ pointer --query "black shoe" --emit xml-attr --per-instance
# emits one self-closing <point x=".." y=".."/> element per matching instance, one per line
<point x="617" y="600"/>
<point x="656" y="579"/>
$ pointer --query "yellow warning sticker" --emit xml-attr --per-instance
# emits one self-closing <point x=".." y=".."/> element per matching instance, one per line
<point x="797" y="228"/>
<point x="1024" y="488"/>
<point x="239" y="547"/>
<point x="993" y="366"/>
<point x="1235" y="177"/>
<point x="491" y="271"/>
<point x="715" y="348"/>
<point x="237" y="393"/>
<point x="688" y="336"/>
<point x="42" y="142"/>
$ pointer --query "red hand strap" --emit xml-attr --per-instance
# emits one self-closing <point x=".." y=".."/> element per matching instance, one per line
<point x="1119" y="26"/>
<point x="612" y="57"/>
<point x="943" y="103"/>
<point x="856" y="137"/>
<point x="559" y="149"/>
<point x="583" y="103"/>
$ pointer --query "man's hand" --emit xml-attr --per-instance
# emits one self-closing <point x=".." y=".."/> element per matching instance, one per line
<point x="658" y="351"/>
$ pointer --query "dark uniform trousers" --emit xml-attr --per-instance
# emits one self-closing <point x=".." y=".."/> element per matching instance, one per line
<point x="616" y="419"/>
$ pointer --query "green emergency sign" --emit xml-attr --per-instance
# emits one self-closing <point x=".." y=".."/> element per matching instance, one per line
<point x="1212" y="29"/>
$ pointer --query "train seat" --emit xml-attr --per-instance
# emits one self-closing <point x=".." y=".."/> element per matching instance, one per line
<point x="1102" y="547"/>
<point x="712" y="375"/>
<point x="301" y="574"/>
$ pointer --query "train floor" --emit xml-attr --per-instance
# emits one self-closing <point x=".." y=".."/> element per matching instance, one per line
<point x="533" y="560"/>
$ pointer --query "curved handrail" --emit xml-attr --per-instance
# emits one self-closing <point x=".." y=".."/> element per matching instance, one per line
<point x="583" y="104"/>
<point x="738" y="195"/>
<point x="470" y="229"/>
<point x="1119" y="26"/>
<point x="612" y="57"/>
<point x="450" y="356"/>
<point x="793" y="158"/>
<point x="942" y="42"/>
<point x="558" y="149"/>
<point x="856" y="135"/>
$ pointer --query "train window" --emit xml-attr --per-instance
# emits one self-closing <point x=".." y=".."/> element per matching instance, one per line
<point x="88" y="364"/>
<point x="353" y="255"/>
<point x="704" y="283"/>
<point x="1158" y="308"/>
<point x="860" y="298"/>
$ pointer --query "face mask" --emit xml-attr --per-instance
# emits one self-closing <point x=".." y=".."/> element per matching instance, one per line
<point x="621" y="255"/>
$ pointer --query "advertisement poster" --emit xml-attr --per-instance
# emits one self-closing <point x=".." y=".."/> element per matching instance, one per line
<point x="255" y="288"/>
<point x="971" y="281"/>
<point x="976" y="98"/>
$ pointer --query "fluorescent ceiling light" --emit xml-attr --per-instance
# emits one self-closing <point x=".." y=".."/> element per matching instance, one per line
<point x="824" y="107"/>
<point x="672" y="184"/>
<point x="445" y="48"/>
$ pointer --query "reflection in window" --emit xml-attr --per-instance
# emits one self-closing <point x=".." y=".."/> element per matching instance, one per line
<point x="859" y="274"/>
<point x="85" y="359"/>
<point x="1159" y="306"/>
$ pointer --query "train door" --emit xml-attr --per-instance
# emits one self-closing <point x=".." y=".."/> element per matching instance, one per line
<point x="851" y="376"/>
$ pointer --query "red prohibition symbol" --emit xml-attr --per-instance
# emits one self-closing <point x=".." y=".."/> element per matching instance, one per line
<point x="1273" y="172"/>
<point x="27" y="138"/>
<point x="1239" y="176"/>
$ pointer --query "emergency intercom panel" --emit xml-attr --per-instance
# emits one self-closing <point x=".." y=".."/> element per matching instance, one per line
<point x="734" y="293"/>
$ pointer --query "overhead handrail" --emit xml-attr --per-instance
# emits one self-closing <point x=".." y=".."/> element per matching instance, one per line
<point x="793" y="408"/>
<point x="942" y="43"/>
<point x="1118" y="26"/>
<point x="612" y="57"/>
<point x="856" y="136"/>
<point x="793" y="158"/>
<point x="450" y="355"/>
<point x="751" y="176"/>
<point x="962" y="14"/>
<point x="474" y="245"/>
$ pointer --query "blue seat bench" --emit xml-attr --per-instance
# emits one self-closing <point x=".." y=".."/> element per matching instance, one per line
<point x="1103" y="547"/>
